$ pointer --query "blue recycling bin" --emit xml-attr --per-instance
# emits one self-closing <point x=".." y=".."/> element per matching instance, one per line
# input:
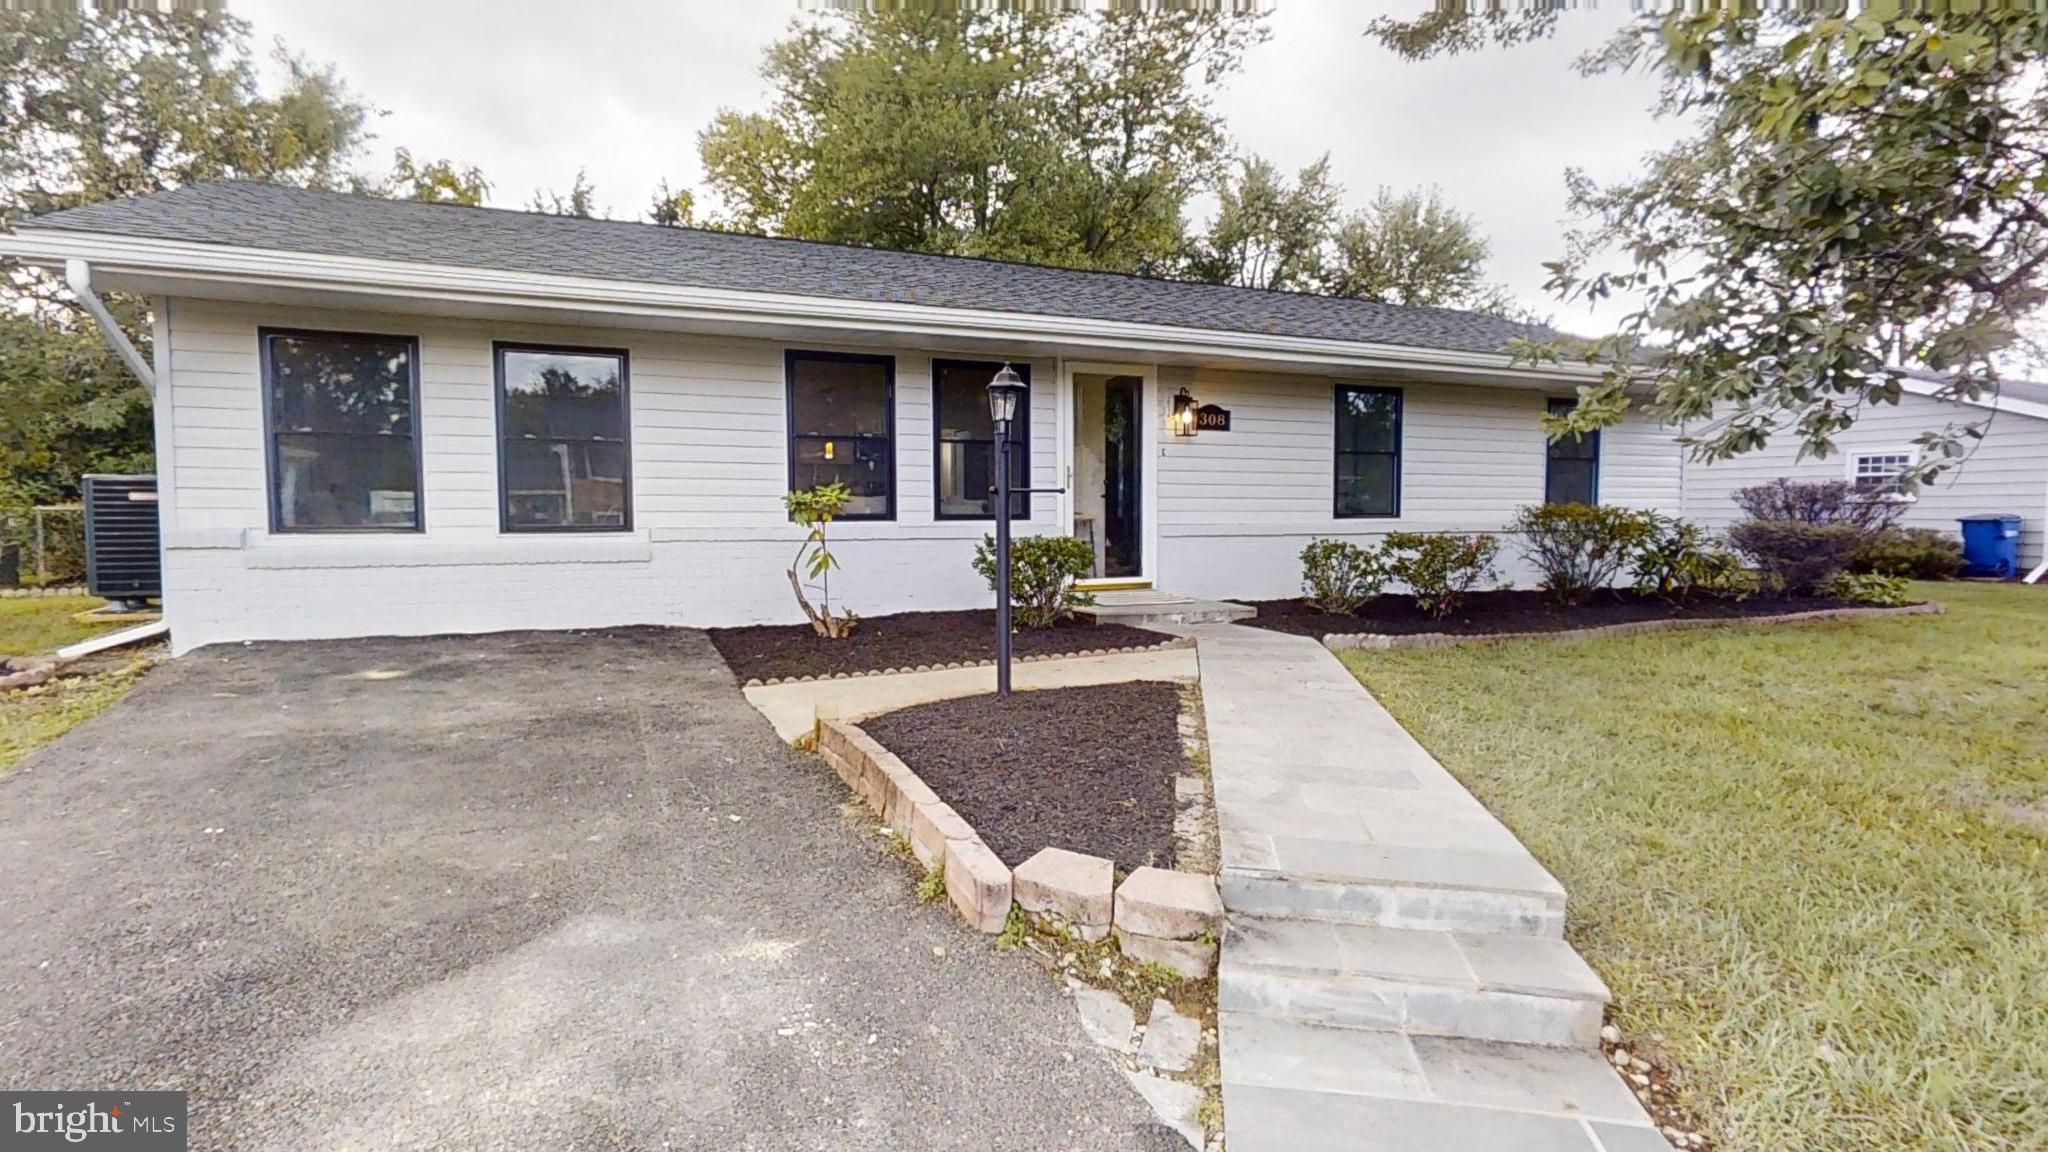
<point x="1991" y="546"/>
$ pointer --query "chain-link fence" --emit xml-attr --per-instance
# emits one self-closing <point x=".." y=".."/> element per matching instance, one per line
<point x="45" y="545"/>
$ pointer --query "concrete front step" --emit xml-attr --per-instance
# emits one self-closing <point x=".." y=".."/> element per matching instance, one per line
<point x="1391" y="903"/>
<point x="1146" y="609"/>
<point x="1443" y="1091"/>
<point x="1482" y="986"/>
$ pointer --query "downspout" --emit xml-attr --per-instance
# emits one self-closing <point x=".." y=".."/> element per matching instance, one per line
<point x="78" y="277"/>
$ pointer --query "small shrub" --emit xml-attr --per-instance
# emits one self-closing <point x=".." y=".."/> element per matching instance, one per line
<point x="1043" y="570"/>
<point x="1829" y="502"/>
<point x="1794" y="556"/>
<point x="1870" y="588"/>
<point x="814" y="508"/>
<point x="1920" y="553"/>
<point x="1338" y="576"/>
<point x="1440" y="568"/>
<point x="1580" y="548"/>
<point x="1679" y="558"/>
<point x="1800" y="535"/>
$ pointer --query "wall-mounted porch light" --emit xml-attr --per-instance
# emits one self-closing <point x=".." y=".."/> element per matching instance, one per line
<point x="1183" y="417"/>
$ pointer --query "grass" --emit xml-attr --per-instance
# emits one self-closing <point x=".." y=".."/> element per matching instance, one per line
<point x="31" y="718"/>
<point x="36" y="625"/>
<point x="1812" y="858"/>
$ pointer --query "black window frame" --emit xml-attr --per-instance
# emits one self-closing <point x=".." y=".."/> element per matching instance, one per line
<point x="273" y="459"/>
<point x="498" y="350"/>
<point x="1020" y="503"/>
<point x="790" y="357"/>
<point x="1557" y="406"/>
<point x="1338" y="452"/>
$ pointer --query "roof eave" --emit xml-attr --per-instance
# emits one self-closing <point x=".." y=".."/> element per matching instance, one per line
<point x="198" y="266"/>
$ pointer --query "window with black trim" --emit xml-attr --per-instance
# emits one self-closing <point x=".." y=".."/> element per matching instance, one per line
<point x="1368" y="451"/>
<point x="964" y="446"/>
<point x="344" y="444"/>
<point x="842" y="428"/>
<point x="1571" y="471"/>
<point x="564" y="453"/>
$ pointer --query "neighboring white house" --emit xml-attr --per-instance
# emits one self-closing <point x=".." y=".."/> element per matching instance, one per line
<point x="2006" y="473"/>
<point x="382" y="417"/>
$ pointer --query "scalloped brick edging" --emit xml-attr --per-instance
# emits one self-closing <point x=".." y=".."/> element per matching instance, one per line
<point x="1164" y="645"/>
<point x="1164" y="917"/>
<point x="1382" y="642"/>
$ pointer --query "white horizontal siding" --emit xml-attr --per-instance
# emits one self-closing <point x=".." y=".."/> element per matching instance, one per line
<point x="1236" y="507"/>
<point x="2007" y="473"/>
<point x="710" y="541"/>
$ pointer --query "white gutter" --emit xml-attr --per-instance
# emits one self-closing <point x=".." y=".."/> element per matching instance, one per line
<point x="78" y="276"/>
<point x="300" y="271"/>
<point x="125" y="636"/>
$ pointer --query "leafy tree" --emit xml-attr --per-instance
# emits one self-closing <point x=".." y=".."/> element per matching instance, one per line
<point x="673" y="207"/>
<point x="1863" y="195"/>
<point x="1410" y="248"/>
<point x="580" y="202"/>
<point x="435" y="182"/>
<point x="1065" y="140"/>
<point x="121" y="103"/>
<point x="1269" y="233"/>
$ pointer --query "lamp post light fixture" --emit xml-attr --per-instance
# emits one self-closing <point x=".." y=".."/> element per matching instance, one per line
<point x="1005" y="392"/>
<point x="1183" y="417"/>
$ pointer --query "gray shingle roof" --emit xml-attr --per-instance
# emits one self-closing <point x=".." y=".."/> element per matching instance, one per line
<point x="253" y="215"/>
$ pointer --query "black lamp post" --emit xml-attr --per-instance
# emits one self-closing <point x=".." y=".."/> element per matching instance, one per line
<point x="1004" y="393"/>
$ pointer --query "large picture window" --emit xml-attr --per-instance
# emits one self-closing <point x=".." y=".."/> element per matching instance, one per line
<point x="964" y="444"/>
<point x="1368" y="451"/>
<point x="1571" y="473"/>
<point x="564" y="456"/>
<point x="344" y="444"/>
<point x="842" y="428"/>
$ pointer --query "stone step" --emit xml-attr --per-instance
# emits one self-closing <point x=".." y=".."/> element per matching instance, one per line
<point x="1481" y="986"/>
<point x="1436" y="1092"/>
<point x="1160" y="610"/>
<point x="1390" y="903"/>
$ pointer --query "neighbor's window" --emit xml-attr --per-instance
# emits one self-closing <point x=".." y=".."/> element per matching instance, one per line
<point x="842" y="428"/>
<point x="1572" y="473"/>
<point x="563" y="452"/>
<point x="344" y="447"/>
<point x="965" y="444"/>
<point x="1368" y="451"/>
<point x="1877" y="473"/>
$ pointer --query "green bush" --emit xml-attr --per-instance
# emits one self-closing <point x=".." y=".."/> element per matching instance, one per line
<point x="1801" y="535"/>
<point x="1043" y="570"/>
<point x="1440" y="568"/>
<point x="1870" y="588"/>
<point x="1579" y="548"/>
<point x="1795" y="556"/>
<point x="1679" y="558"/>
<point x="1337" y="575"/>
<point x="814" y="509"/>
<point x="1921" y="553"/>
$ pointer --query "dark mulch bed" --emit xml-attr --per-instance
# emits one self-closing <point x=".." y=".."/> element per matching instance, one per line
<point x="1086" y="769"/>
<point x="787" y="651"/>
<point x="1488" y="613"/>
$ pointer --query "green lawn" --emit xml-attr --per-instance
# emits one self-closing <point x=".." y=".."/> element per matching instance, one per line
<point x="35" y="626"/>
<point x="1814" y="858"/>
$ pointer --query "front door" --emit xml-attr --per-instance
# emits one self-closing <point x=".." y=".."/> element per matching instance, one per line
<point x="1109" y="471"/>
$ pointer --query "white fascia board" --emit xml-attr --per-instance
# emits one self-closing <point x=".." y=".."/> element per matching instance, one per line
<point x="2011" y="404"/>
<point x="615" y="299"/>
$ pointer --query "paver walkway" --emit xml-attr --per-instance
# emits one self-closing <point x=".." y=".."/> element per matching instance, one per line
<point x="1394" y="974"/>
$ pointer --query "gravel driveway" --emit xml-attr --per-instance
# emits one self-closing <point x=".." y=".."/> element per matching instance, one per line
<point x="549" y="891"/>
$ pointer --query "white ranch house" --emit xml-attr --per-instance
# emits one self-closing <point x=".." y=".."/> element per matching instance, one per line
<point x="380" y="417"/>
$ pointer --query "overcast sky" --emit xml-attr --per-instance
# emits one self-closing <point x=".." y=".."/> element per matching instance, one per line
<point x="483" y="83"/>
